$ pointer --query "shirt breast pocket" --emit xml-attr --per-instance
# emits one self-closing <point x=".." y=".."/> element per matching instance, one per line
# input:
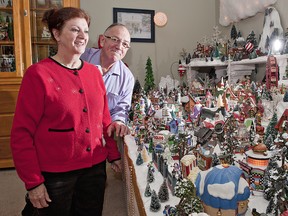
<point x="113" y="99"/>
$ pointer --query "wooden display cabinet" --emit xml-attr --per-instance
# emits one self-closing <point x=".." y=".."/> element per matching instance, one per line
<point x="23" y="41"/>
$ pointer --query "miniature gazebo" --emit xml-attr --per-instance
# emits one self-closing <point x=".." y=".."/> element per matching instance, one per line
<point x="223" y="191"/>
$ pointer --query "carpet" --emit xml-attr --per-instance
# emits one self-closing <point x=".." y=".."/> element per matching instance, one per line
<point x="13" y="192"/>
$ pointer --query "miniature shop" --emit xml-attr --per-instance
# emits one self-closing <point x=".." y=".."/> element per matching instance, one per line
<point x="215" y="143"/>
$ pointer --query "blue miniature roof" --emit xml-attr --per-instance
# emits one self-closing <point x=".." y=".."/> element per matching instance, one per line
<point x="222" y="187"/>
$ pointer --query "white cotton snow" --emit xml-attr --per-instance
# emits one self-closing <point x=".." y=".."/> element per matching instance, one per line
<point x="223" y="191"/>
<point x="235" y="10"/>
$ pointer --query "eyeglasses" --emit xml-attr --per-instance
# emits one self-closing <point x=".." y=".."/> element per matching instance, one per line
<point x="116" y="40"/>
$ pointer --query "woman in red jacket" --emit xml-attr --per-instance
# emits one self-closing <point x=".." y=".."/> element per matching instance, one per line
<point x="60" y="134"/>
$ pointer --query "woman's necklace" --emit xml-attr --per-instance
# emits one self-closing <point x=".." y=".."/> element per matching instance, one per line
<point x="72" y="65"/>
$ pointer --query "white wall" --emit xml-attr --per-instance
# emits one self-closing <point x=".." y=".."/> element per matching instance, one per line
<point x="188" y="22"/>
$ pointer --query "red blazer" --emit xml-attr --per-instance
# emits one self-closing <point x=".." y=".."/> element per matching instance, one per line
<point x="59" y="121"/>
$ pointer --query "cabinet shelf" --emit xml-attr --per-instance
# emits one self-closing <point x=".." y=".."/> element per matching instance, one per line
<point x="6" y="42"/>
<point x="27" y="46"/>
<point x="6" y="9"/>
<point x="43" y="42"/>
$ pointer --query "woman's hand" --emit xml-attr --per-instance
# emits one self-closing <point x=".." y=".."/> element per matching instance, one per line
<point x="39" y="197"/>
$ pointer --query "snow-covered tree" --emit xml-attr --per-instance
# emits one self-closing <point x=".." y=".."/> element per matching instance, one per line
<point x="251" y="38"/>
<point x="189" y="202"/>
<point x="269" y="142"/>
<point x="279" y="200"/>
<point x="163" y="192"/>
<point x="285" y="98"/>
<point x="266" y="95"/>
<point x="233" y="33"/>
<point x="268" y="182"/>
<point x="155" y="203"/>
<point x="151" y="146"/>
<point x="271" y="127"/>
<point x="150" y="174"/>
<point x="148" y="191"/>
<point x="139" y="159"/>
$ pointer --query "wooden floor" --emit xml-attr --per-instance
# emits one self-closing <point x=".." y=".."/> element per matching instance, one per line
<point x="12" y="194"/>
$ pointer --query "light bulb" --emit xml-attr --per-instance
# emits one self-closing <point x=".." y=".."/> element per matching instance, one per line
<point x="277" y="45"/>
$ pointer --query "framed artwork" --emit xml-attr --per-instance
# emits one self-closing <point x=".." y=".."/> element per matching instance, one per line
<point x="139" y="23"/>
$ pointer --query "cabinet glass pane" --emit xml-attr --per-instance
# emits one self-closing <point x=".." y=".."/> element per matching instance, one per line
<point x="7" y="50"/>
<point x="42" y="43"/>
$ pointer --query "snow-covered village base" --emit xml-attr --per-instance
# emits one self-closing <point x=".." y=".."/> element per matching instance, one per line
<point x="223" y="152"/>
<point x="213" y="146"/>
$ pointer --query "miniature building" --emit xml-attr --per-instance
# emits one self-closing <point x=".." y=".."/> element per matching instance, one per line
<point x="282" y="124"/>
<point x="226" y="195"/>
<point x="188" y="162"/>
<point x="254" y="167"/>
<point x="271" y="72"/>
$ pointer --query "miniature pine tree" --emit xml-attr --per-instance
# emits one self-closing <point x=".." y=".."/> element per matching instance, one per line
<point x="185" y="190"/>
<point x="279" y="197"/>
<point x="285" y="98"/>
<point x="251" y="38"/>
<point x="269" y="142"/>
<point x="233" y="33"/>
<point x="149" y="79"/>
<point x="273" y="206"/>
<point x="137" y="87"/>
<point x="155" y="203"/>
<point x="271" y="127"/>
<point x="139" y="159"/>
<point x="194" y="205"/>
<point x="163" y="193"/>
<point x="151" y="146"/>
<point x="148" y="191"/>
<point x="268" y="181"/>
<point x="150" y="174"/>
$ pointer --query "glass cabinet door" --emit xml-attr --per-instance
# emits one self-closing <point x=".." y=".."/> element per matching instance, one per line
<point x="7" y="43"/>
<point x="42" y="43"/>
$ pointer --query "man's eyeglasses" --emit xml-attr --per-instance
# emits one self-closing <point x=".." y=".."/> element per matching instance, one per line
<point x="116" y="40"/>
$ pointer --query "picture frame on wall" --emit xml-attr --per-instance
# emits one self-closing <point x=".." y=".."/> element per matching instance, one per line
<point x="138" y="21"/>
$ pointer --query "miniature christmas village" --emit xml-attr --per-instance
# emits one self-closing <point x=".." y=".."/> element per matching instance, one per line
<point x="216" y="145"/>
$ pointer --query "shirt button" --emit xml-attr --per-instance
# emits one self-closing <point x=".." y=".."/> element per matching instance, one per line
<point x="88" y="149"/>
<point x="85" y="110"/>
<point x="81" y="91"/>
<point x="87" y="130"/>
<point x="75" y="73"/>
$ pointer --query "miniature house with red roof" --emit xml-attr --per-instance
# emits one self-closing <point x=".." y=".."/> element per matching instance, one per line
<point x="282" y="124"/>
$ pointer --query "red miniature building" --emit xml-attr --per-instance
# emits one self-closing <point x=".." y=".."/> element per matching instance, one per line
<point x="271" y="72"/>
